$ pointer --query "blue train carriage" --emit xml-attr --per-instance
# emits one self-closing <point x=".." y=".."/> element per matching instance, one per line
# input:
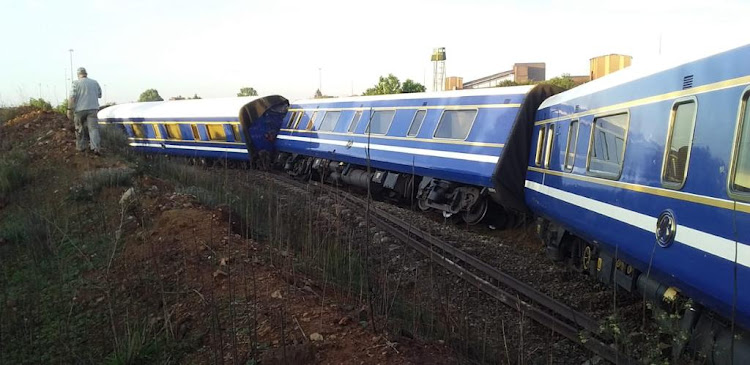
<point x="651" y="169"/>
<point x="223" y="128"/>
<point x="450" y="151"/>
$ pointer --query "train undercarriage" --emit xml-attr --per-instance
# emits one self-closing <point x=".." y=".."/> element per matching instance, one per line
<point x="692" y="326"/>
<point x="470" y="203"/>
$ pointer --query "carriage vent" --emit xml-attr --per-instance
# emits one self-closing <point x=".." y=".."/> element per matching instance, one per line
<point x="577" y="109"/>
<point x="687" y="82"/>
<point x="424" y="103"/>
<point x="507" y="101"/>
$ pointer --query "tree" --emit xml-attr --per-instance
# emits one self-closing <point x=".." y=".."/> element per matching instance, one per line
<point x="195" y="96"/>
<point x="150" y="95"/>
<point x="410" y="86"/>
<point x="386" y="85"/>
<point x="564" y="81"/>
<point x="247" y="91"/>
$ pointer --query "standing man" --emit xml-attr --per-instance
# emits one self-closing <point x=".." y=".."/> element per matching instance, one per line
<point x="82" y="108"/>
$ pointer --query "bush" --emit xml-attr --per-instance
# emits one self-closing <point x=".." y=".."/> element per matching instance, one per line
<point x="13" y="173"/>
<point x="113" y="138"/>
<point x="62" y="108"/>
<point x="40" y="104"/>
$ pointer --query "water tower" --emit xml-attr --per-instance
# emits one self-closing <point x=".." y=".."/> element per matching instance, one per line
<point x="438" y="63"/>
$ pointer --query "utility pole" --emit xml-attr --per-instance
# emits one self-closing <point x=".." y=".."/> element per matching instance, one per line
<point x="66" y="83"/>
<point x="320" y="80"/>
<point x="71" y="64"/>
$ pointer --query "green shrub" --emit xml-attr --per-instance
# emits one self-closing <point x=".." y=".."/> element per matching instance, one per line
<point x="40" y="104"/>
<point x="13" y="172"/>
<point x="62" y="108"/>
<point x="113" y="138"/>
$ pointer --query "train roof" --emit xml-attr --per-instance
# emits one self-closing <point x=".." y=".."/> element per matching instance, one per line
<point x="195" y="108"/>
<point x="624" y="76"/>
<point x="511" y="90"/>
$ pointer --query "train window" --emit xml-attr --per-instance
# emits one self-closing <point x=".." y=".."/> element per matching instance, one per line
<point x="416" y="123"/>
<point x="740" y="182"/>
<point x="139" y="130"/>
<point x="196" y="135"/>
<point x="173" y="131"/>
<point x="297" y="119"/>
<point x="570" y="149"/>
<point x="380" y="122"/>
<point x="292" y="119"/>
<point x="607" y="148"/>
<point x="216" y="132"/>
<point x="329" y="121"/>
<point x="236" y="133"/>
<point x="539" y="147"/>
<point x="355" y="120"/>
<point x="679" y="141"/>
<point x="455" y="124"/>
<point x="311" y="122"/>
<point x="549" y="144"/>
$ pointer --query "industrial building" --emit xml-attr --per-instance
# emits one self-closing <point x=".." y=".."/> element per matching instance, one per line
<point x="521" y="73"/>
<point x="607" y="64"/>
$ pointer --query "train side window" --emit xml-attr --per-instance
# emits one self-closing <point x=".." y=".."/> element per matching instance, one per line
<point x="740" y="178"/>
<point x="539" y="146"/>
<point x="196" y="135"/>
<point x="216" y="132"/>
<point x="173" y="131"/>
<point x="679" y="142"/>
<point x="549" y="144"/>
<point x="311" y="122"/>
<point x="236" y="133"/>
<point x="138" y="130"/>
<point x="297" y="119"/>
<point x="607" y="147"/>
<point x="416" y="123"/>
<point x="570" y="149"/>
<point x="455" y="124"/>
<point x="355" y="120"/>
<point x="380" y="122"/>
<point x="329" y="121"/>
<point x="292" y="119"/>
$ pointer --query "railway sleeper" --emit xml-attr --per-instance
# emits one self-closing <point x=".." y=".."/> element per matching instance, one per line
<point x="693" y="328"/>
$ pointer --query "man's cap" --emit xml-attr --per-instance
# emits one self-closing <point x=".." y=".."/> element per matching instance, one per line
<point x="82" y="71"/>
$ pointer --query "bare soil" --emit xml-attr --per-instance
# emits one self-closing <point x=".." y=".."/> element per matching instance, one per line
<point x="176" y="271"/>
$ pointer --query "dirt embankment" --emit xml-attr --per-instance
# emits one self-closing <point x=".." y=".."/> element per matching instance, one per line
<point x="135" y="272"/>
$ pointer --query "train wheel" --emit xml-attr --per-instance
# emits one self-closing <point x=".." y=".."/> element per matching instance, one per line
<point x="422" y="204"/>
<point x="476" y="213"/>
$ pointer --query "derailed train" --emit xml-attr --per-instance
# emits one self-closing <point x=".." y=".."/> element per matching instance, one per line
<point x="641" y="178"/>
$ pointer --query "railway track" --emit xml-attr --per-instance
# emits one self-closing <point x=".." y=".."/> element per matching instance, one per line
<point x="517" y="295"/>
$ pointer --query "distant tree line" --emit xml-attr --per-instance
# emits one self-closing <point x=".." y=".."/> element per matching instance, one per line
<point x="391" y="85"/>
<point x="564" y="81"/>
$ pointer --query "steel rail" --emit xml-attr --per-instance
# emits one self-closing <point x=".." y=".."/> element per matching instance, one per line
<point x="548" y="315"/>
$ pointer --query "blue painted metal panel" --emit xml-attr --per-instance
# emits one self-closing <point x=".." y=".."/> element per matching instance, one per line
<point x="707" y="278"/>
<point x="491" y="126"/>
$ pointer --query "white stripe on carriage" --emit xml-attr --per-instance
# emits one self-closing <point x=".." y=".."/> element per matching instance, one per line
<point x="201" y="148"/>
<point x="408" y="150"/>
<point x="706" y="242"/>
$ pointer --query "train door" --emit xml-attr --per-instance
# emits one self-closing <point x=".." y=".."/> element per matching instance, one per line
<point x="739" y="191"/>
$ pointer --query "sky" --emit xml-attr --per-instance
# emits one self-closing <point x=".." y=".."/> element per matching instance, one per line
<point x="214" y="48"/>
